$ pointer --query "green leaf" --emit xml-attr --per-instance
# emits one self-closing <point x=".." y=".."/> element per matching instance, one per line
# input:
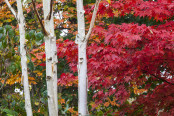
<point x="59" y="106"/>
<point x="109" y="114"/>
<point x="16" y="38"/>
<point x="7" y="27"/>
<point x="39" y="36"/>
<point x="4" y="44"/>
<point x="39" y="42"/>
<point x="1" y="47"/>
<point x="31" y="65"/>
<point x="4" y="103"/>
<point x="13" y="103"/>
<point x="27" y="36"/>
<point x="17" y="58"/>
<point x="31" y="34"/>
<point x="1" y="35"/>
<point x="1" y="30"/>
<point x="100" y="113"/>
<point x="11" y="33"/>
<point x="10" y="112"/>
<point x="12" y="67"/>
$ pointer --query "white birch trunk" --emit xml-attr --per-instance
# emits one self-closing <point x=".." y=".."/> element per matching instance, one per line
<point x="81" y="40"/>
<point x="21" y="21"/>
<point x="51" y="60"/>
<point x="82" y="61"/>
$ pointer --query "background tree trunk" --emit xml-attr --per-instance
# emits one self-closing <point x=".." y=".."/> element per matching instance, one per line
<point x="21" y="21"/>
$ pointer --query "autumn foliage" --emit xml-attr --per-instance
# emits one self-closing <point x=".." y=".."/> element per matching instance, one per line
<point x="130" y="58"/>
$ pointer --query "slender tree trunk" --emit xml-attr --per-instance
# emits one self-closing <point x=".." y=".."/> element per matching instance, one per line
<point x="82" y="61"/>
<point x="51" y="58"/>
<point x="21" y="21"/>
<point x="81" y="40"/>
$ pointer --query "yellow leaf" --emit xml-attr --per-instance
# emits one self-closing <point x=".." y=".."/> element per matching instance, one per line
<point x="8" y="20"/>
<point x="31" y="78"/>
<point x="36" y="103"/>
<point x="109" y="1"/>
<point x="28" y="60"/>
<point x="39" y="74"/>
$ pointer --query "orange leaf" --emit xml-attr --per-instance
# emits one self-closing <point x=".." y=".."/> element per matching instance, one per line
<point x="106" y="104"/>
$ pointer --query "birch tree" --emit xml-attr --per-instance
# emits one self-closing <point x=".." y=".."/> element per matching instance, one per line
<point x="81" y="40"/>
<point x="21" y="21"/>
<point x="51" y="54"/>
<point x="51" y="58"/>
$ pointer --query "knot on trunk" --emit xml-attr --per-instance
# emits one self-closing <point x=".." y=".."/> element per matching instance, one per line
<point x="49" y="77"/>
<point x="50" y="59"/>
<point x="79" y="38"/>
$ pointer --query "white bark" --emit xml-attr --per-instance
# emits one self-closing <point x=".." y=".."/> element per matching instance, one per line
<point x="51" y="60"/>
<point x="82" y="61"/>
<point x="81" y="40"/>
<point x="21" y="21"/>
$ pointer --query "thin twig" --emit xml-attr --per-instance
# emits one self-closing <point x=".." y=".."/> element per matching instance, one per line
<point x="162" y="79"/>
<point x="92" y="20"/>
<point x="12" y="9"/>
<point x="159" y="78"/>
<point x="40" y="21"/>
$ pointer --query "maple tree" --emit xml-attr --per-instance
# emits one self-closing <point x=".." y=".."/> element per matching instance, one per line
<point x="122" y="56"/>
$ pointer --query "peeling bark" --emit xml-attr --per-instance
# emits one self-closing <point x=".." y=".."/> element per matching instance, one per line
<point x="51" y="59"/>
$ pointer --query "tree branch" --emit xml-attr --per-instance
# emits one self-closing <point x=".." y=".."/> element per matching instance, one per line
<point x="40" y="21"/>
<point x="92" y="20"/>
<point x="61" y="28"/>
<point x="144" y="71"/>
<point x="162" y="79"/>
<point x="12" y="9"/>
<point x="51" y="8"/>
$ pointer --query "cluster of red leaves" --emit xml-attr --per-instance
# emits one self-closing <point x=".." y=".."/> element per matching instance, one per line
<point x="67" y="79"/>
<point x="160" y="102"/>
<point x="68" y="49"/>
<point x="124" y="53"/>
<point x="127" y="52"/>
<point x="159" y="10"/>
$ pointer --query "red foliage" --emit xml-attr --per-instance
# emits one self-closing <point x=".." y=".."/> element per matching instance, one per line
<point x="130" y="53"/>
<point x="67" y="79"/>
<point x="159" y="10"/>
<point x="160" y="101"/>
